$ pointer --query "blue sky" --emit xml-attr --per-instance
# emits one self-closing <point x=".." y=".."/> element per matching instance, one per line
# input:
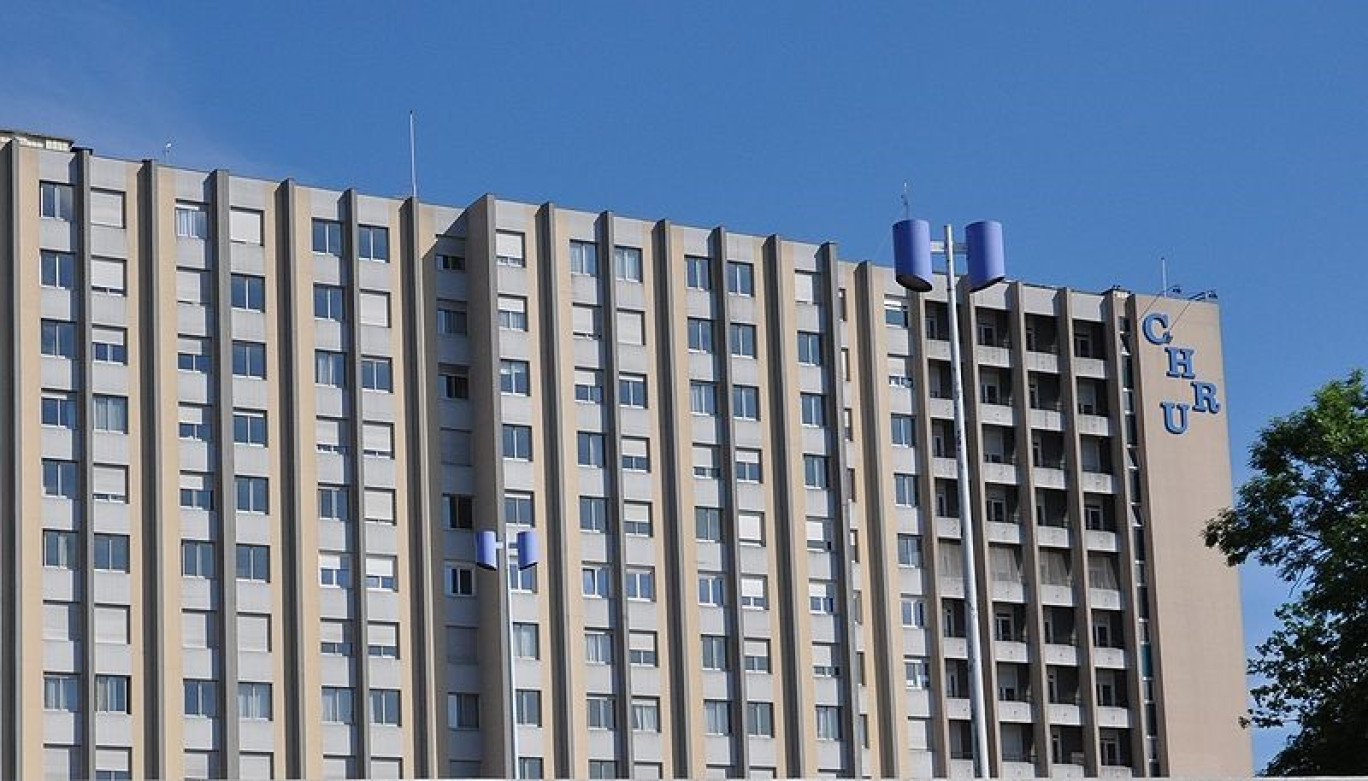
<point x="1226" y="137"/>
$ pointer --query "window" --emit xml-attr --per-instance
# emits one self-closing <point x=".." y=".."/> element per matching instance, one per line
<point x="111" y="694"/>
<point x="110" y="484"/>
<point x="458" y="511"/>
<point x="513" y="313"/>
<point x="55" y="201"/>
<point x="820" y="533"/>
<point x="60" y="549"/>
<point x="192" y="287"/>
<point x="822" y="597"/>
<point x="248" y="292"/>
<point x="716" y="717"/>
<point x="586" y="321"/>
<point x="452" y="319"/>
<point x="904" y="432"/>
<point x="517" y="442"/>
<point x="712" y="589"/>
<point x="700" y="335"/>
<point x="526" y="641"/>
<point x="631" y="327"/>
<point x="528" y="767"/>
<point x="196" y="492"/>
<point x="111" y="553"/>
<point x="584" y="258"/>
<point x="743" y="340"/>
<point x="828" y="722"/>
<point x="327" y="237"/>
<point x="589" y="386"/>
<point x="197" y="559"/>
<point x="896" y="312"/>
<point x="809" y="348"/>
<point x="754" y="592"/>
<point x="642" y="650"/>
<point x="201" y="698"/>
<point x="805" y="287"/>
<point x="337" y="705"/>
<point x="58" y="339"/>
<point x="453" y="382"/>
<point x="449" y="262"/>
<point x="518" y="509"/>
<point x="192" y="221"/>
<point x="632" y="390"/>
<point x="698" y="272"/>
<point x="706" y="464"/>
<point x="745" y="402"/>
<point x="509" y="249"/>
<point x="252" y="495"/>
<point x="645" y="714"/>
<point x="515" y="378"/>
<point x="913" y="612"/>
<point x="708" y="524"/>
<point x="455" y="445"/>
<point x="335" y="638"/>
<point x="57" y="270"/>
<point x="254" y="701"/>
<point x="334" y="569"/>
<point x="602" y="714"/>
<point x="909" y="551"/>
<point x="244" y="226"/>
<point x="636" y="454"/>
<point x="905" y="490"/>
<point x="380" y="573"/>
<point x="593" y="514"/>
<point x="598" y="646"/>
<point x="59" y="409"/>
<point x="109" y="345"/>
<point x="627" y="263"/>
<point x="377" y="440"/>
<point x="816" y="472"/>
<point x="249" y="360"/>
<point x="192" y="354"/>
<point x="527" y="707"/>
<point x="460" y="581"/>
<point x="740" y="278"/>
<point x="107" y="276"/>
<point x="59" y="478"/>
<point x="591" y="449"/>
<point x="372" y="243"/>
<point x="377" y="374"/>
<point x="596" y="581"/>
<point x="760" y="719"/>
<point x="757" y="656"/>
<point x="249" y="427"/>
<point x="813" y="407"/>
<point x="602" y="769"/>
<point x="750" y="527"/>
<point x="111" y="414"/>
<point x="703" y="397"/>
<point x="254" y="632"/>
<point x="384" y="707"/>
<point x="61" y="692"/>
<point x="641" y="583"/>
<point x="636" y="519"/>
<point x="748" y="468"/>
<point x="375" y="308"/>
<point x="254" y="563"/>
<point x="824" y="663"/>
<point x="330" y="303"/>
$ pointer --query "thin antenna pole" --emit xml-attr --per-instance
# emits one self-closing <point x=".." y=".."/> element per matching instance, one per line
<point x="906" y="200"/>
<point x="1163" y="275"/>
<point x="413" y="158"/>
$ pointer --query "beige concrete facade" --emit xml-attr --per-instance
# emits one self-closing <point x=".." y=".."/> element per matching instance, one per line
<point x="251" y="428"/>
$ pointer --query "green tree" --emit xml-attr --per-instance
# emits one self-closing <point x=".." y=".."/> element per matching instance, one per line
<point x="1305" y="514"/>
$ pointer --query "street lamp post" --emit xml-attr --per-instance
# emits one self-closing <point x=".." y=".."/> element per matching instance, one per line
<point x="521" y="555"/>
<point x="912" y="250"/>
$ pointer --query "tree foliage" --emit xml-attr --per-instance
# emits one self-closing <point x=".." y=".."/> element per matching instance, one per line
<point x="1305" y="514"/>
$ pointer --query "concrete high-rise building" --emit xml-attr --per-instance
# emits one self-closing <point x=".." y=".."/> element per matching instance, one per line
<point x="250" y="429"/>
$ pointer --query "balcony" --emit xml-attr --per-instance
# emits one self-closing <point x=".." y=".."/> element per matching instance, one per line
<point x="1064" y="714"/>
<point x="1100" y="541"/>
<point x="997" y="414"/>
<point x="1011" y="651"/>
<point x="1104" y="599"/>
<point x="1067" y="770"/>
<point x="1060" y="654"/>
<point x="1015" y="711"/>
<point x="1095" y="482"/>
<point x="1051" y="536"/>
<point x="1095" y="425"/>
<point x="1051" y="594"/>
<point x="1003" y="532"/>
<point x="1052" y="476"/>
<point x="1112" y="716"/>
<point x="1110" y="658"/>
<point x="956" y="708"/>
<point x="988" y="355"/>
<point x="1095" y="368"/>
<point x="1046" y="419"/>
<point x="1047" y="362"/>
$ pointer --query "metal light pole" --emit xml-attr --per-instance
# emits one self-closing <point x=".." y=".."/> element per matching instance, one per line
<point x="522" y="555"/>
<point x="912" y="250"/>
